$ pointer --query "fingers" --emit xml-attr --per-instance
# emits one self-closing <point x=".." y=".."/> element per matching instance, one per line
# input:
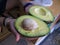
<point x="12" y="28"/>
<point x="17" y="37"/>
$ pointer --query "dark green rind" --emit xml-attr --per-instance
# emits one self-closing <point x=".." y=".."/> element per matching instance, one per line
<point x="48" y="22"/>
<point x="32" y="36"/>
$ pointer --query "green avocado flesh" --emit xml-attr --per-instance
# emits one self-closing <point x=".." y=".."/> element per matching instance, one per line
<point x="41" y="30"/>
<point x="41" y="13"/>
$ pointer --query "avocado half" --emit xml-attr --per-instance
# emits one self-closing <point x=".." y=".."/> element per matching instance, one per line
<point x="42" y="13"/>
<point x="41" y="30"/>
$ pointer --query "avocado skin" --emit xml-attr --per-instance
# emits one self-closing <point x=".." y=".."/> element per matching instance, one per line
<point x="48" y="22"/>
<point x="32" y="36"/>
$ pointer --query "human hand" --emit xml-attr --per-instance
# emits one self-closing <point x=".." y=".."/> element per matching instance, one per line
<point x="10" y="25"/>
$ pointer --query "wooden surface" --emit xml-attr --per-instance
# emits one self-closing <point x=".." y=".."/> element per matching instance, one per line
<point x="55" y="8"/>
<point x="4" y="33"/>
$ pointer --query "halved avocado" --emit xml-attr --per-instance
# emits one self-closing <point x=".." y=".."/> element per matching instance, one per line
<point x="40" y="28"/>
<point x="42" y="13"/>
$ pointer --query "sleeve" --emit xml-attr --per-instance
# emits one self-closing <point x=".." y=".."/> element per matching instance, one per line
<point x="2" y="8"/>
<point x="26" y="4"/>
<point x="2" y="5"/>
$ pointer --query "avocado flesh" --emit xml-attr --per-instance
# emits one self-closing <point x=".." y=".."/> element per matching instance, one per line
<point x="42" y="13"/>
<point x="42" y="29"/>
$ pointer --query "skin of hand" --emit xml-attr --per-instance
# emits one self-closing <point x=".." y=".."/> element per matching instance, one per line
<point x="10" y="23"/>
<point x="13" y="30"/>
<point x="11" y="27"/>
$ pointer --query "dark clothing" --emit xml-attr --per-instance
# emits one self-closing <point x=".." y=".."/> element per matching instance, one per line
<point x="2" y="5"/>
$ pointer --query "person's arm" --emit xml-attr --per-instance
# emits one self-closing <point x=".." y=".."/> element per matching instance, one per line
<point x="4" y="21"/>
<point x="2" y="8"/>
<point x="26" y="4"/>
<point x="25" y="1"/>
<point x="10" y="23"/>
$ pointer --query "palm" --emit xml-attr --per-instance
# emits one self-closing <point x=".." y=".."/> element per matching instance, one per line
<point x="13" y="30"/>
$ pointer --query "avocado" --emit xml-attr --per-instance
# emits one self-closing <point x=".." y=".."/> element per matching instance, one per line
<point x="42" y="13"/>
<point x="30" y="26"/>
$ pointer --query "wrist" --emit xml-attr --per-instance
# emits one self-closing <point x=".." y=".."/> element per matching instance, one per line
<point x="25" y="1"/>
<point x="27" y="6"/>
<point x="7" y="21"/>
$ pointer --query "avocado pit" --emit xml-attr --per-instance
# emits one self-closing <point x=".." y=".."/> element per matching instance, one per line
<point x="29" y="24"/>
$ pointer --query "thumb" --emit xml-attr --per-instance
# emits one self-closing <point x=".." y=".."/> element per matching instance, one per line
<point x="13" y="30"/>
<point x="17" y="37"/>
